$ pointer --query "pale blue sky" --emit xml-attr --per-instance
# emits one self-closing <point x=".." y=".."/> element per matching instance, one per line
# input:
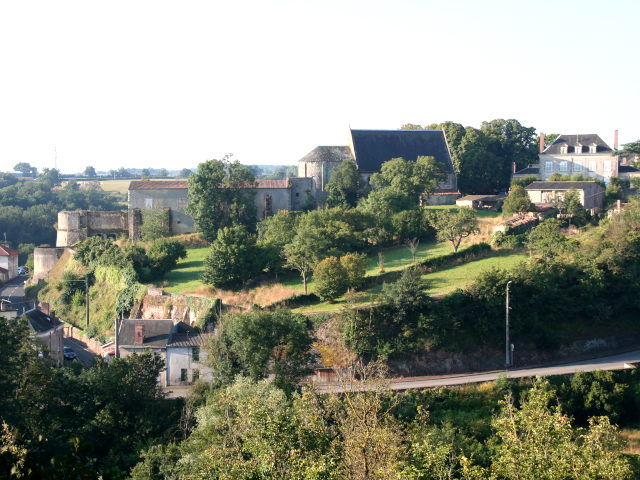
<point x="171" y="84"/>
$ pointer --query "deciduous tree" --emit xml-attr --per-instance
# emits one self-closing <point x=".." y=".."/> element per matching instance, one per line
<point x="453" y="226"/>
<point x="220" y="195"/>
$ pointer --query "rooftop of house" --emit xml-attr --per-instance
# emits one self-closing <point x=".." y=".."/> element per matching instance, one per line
<point x="40" y="322"/>
<point x="328" y="154"/>
<point x="528" y="171"/>
<point x="6" y="251"/>
<point x="486" y="198"/>
<point x="374" y="147"/>
<point x="182" y="184"/>
<point x="585" y="140"/>
<point x="159" y="333"/>
<point x="562" y="185"/>
<point x="627" y="169"/>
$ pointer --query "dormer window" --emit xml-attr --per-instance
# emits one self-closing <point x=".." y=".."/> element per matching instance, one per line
<point x="564" y="150"/>
<point x="593" y="148"/>
<point x="578" y="149"/>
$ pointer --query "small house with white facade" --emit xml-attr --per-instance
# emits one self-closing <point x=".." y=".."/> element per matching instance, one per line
<point x="180" y="346"/>
<point x="591" y="193"/>
<point x="8" y="263"/>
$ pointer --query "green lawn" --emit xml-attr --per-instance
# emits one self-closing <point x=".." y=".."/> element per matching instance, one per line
<point x="480" y="213"/>
<point x="186" y="276"/>
<point x="448" y="279"/>
<point x="438" y="283"/>
<point x="395" y="258"/>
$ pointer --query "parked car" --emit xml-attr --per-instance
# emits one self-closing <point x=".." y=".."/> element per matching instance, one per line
<point x="22" y="270"/>
<point x="68" y="353"/>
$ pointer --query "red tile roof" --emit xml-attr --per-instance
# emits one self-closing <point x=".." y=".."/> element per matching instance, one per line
<point x="180" y="184"/>
<point x="6" y="251"/>
<point x="272" y="183"/>
<point x="157" y="185"/>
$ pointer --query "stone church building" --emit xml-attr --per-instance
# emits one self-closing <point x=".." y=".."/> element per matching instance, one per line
<point x="371" y="148"/>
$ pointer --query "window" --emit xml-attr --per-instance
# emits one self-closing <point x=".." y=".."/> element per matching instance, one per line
<point x="607" y="165"/>
<point x="564" y="149"/>
<point x="148" y="203"/>
<point x="195" y="375"/>
<point x="195" y="354"/>
<point x="578" y="149"/>
<point x="593" y="149"/>
<point x="593" y="165"/>
<point x="564" y="166"/>
<point x="548" y="166"/>
<point x="577" y="167"/>
<point x="183" y="374"/>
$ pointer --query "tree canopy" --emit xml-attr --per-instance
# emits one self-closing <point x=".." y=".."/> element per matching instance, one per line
<point x="220" y="195"/>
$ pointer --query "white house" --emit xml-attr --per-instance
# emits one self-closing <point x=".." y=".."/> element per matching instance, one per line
<point x="8" y="263"/>
<point x="581" y="154"/>
<point x="180" y="346"/>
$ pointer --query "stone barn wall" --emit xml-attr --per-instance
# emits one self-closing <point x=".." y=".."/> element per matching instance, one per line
<point x="173" y="198"/>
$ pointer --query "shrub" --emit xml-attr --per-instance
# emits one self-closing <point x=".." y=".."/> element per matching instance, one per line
<point x="355" y="267"/>
<point x="331" y="279"/>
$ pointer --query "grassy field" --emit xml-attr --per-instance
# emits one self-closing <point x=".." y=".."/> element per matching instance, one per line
<point x="448" y="279"/>
<point x="186" y="276"/>
<point x="480" y="213"/>
<point x="395" y="258"/>
<point x="438" y="283"/>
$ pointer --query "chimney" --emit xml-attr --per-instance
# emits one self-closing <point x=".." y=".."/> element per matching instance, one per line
<point x="45" y="308"/>
<point x="139" y="338"/>
<point x="513" y="167"/>
<point x="615" y="139"/>
<point x="541" y="142"/>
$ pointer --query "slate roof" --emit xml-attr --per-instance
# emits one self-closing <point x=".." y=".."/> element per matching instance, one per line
<point x="328" y="154"/>
<point x="6" y="251"/>
<point x="488" y="198"/>
<point x="559" y="185"/>
<point x="627" y="169"/>
<point x="572" y="140"/>
<point x="156" y="332"/>
<point x="181" y="184"/>
<point x="160" y="333"/>
<point x="528" y="171"/>
<point x="374" y="147"/>
<point x="39" y="322"/>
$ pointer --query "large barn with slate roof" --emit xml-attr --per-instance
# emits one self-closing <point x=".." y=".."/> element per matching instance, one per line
<point x="371" y="148"/>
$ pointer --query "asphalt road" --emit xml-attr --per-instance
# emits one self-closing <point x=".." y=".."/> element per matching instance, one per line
<point x="13" y="291"/>
<point x="84" y="355"/>
<point x="613" y="362"/>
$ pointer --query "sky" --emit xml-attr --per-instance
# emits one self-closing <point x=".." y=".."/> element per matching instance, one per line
<point x="171" y="84"/>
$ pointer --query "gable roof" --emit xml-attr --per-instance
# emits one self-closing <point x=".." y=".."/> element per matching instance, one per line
<point x="374" y="147"/>
<point x="157" y="185"/>
<point x="528" y="171"/>
<point x="39" y="322"/>
<point x="572" y="140"/>
<point x="561" y="185"/>
<point x="156" y="332"/>
<point x="6" y="251"/>
<point x="328" y="154"/>
<point x="159" y="333"/>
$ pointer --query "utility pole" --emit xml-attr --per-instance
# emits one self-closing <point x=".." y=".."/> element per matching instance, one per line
<point x="86" y="299"/>
<point x="507" y="347"/>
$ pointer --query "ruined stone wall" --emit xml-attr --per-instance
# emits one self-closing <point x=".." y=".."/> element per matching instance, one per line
<point x="300" y="189"/>
<point x="280" y="200"/>
<point x="73" y="227"/>
<point x="179" y="308"/>
<point x="173" y="198"/>
<point x="44" y="259"/>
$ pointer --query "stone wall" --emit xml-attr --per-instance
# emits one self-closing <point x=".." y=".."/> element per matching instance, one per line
<point x="443" y="363"/>
<point x="156" y="305"/>
<point x="173" y="198"/>
<point x="44" y="258"/>
<point x="75" y="226"/>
